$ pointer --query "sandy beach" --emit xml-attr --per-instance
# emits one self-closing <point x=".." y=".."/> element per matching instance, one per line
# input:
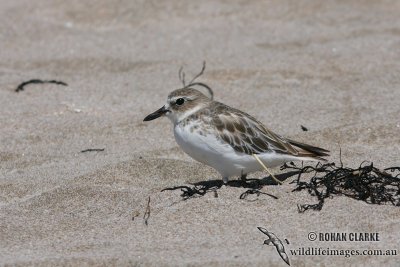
<point x="331" y="66"/>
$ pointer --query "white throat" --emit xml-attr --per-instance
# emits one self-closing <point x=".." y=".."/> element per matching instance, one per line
<point x="177" y="117"/>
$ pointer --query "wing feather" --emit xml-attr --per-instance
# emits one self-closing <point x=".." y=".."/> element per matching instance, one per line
<point x="245" y="134"/>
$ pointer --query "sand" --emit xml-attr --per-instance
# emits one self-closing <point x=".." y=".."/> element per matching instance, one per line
<point x="330" y="66"/>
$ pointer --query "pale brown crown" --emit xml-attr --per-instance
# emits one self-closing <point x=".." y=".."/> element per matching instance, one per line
<point x="193" y="100"/>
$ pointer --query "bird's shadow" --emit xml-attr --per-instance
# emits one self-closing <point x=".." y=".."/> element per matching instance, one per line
<point x="253" y="186"/>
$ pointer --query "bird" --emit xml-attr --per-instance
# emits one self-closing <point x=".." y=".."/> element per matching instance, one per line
<point x="227" y="139"/>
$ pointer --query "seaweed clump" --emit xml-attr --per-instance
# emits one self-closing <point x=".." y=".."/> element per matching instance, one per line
<point x="365" y="183"/>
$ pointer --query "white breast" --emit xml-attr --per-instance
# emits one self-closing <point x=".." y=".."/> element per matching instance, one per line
<point x="208" y="149"/>
<point x="211" y="151"/>
<point x="202" y="147"/>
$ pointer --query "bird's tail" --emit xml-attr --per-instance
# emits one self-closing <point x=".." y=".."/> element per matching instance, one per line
<point x="310" y="151"/>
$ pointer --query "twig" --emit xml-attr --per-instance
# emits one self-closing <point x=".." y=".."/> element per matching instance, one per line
<point x="265" y="167"/>
<point x="146" y="215"/>
<point x="93" y="150"/>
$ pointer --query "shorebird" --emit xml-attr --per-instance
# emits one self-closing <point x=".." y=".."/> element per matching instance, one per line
<point x="229" y="140"/>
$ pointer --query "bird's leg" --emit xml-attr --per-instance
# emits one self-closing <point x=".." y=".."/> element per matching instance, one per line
<point x="243" y="176"/>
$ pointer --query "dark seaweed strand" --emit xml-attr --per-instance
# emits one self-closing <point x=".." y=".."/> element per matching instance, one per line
<point x="365" y="183"/>
<point x="93" y="150"/>
<point x="36" y="81"/>
<point x="182" y="76"/>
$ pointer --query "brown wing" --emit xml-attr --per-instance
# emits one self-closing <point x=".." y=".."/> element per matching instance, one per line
<point x="247" y="135"/>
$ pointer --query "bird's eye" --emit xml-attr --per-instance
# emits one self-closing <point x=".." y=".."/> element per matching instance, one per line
<point x="180" y="101"/>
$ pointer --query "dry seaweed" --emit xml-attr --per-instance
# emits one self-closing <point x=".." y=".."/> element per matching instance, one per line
<point x="365" y="183"/>
<point x="182" y="76"/>
<point x="21" y="86"/>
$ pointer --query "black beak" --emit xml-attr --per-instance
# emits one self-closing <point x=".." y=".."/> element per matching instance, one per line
<point x="156" y="114"/>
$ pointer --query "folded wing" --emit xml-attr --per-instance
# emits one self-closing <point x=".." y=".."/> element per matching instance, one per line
<point x="247" y="135"/>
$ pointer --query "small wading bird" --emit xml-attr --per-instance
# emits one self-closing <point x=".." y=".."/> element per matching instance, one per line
<point x="227" y="139"/>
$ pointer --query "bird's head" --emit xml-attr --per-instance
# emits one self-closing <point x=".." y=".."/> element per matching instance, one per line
<point x="181" y="103"/>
